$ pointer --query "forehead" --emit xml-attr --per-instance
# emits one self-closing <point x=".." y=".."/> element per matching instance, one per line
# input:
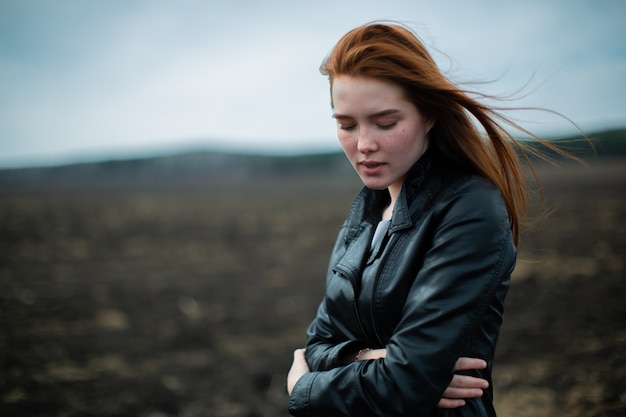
<point x="351" y="93"/>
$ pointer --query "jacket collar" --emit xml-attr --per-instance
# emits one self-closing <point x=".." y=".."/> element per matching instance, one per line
<point x="414" y="188"/>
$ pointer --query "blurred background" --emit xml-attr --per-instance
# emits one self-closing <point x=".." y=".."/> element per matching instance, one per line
<point x="171" y="186"/>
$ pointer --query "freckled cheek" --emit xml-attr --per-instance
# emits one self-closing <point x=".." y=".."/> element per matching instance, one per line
<point x="346" y="140"/>
<point x="397" y="138"/>
<point x="348" y="145"/>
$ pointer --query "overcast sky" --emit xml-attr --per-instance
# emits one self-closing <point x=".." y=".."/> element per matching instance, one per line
<point x="89" y="79"/>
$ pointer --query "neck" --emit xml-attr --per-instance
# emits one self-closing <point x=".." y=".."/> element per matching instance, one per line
<point x="394" y="192"/>
<point x="388" y="211"/>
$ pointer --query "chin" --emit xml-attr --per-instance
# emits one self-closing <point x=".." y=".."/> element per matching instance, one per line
<point x="375" y="185"/>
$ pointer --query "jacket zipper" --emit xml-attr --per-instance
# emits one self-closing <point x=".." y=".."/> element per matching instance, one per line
<point x="386" y="248"/>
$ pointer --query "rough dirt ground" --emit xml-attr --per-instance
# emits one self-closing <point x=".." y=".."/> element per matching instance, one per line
<point x="168" y="303"/>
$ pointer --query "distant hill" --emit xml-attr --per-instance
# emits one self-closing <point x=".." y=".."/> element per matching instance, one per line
<point x="223" y="170"/>
<point x="598" y="145"/>
<point x="190" y="170"/>
<point x="611" y="142"/>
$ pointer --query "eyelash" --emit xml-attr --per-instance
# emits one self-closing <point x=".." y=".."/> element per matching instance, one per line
<point x="386" y="126"/>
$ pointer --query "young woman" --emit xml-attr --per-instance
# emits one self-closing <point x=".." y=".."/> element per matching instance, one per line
<point x="420" y="269"/>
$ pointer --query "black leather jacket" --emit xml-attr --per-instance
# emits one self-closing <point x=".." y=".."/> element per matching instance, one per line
<point x="430" y="292"/>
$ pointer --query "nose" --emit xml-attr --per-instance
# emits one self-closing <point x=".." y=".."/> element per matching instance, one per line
<point x="366" y="142"/>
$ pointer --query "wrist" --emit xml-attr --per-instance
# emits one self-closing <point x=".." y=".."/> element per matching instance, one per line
<point x="360" y="353"/>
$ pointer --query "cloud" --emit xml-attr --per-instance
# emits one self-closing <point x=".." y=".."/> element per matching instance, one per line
<point x="87" y="77"/>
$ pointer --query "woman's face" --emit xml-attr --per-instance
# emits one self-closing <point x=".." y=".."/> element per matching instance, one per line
<point x="381" y="132"/>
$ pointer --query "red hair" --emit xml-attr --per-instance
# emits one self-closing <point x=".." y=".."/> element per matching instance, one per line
<point x="392" y="52"/>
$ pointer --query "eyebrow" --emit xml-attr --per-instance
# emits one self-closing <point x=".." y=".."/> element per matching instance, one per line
<point x="379" y="114"/>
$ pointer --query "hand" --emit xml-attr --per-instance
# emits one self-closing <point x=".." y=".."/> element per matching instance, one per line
<point x="462" y="386"/>
<point x="299" y="368"/>
<point x="372" y="354"/>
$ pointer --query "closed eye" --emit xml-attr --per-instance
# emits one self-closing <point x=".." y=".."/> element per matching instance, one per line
<point x="386" y="126"/>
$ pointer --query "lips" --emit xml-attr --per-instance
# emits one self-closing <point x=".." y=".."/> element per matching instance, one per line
<point x="370" y="164"/>
<point x="371" y="167"/>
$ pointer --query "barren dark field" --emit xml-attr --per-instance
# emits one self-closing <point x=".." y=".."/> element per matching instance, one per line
<point x="163" y="302"/>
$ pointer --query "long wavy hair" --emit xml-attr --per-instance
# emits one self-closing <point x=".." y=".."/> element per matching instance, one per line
<point x="393" y="52"/>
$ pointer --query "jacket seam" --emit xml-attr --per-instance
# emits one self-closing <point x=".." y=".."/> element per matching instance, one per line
<point x="493" y="281"/>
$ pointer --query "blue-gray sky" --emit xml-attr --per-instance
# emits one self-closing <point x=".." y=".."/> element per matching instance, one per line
<point x="98" y="79"/>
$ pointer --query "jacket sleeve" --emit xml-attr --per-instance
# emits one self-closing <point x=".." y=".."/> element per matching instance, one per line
<point x="471" y="254"/>
<point x="324" y="350"/>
